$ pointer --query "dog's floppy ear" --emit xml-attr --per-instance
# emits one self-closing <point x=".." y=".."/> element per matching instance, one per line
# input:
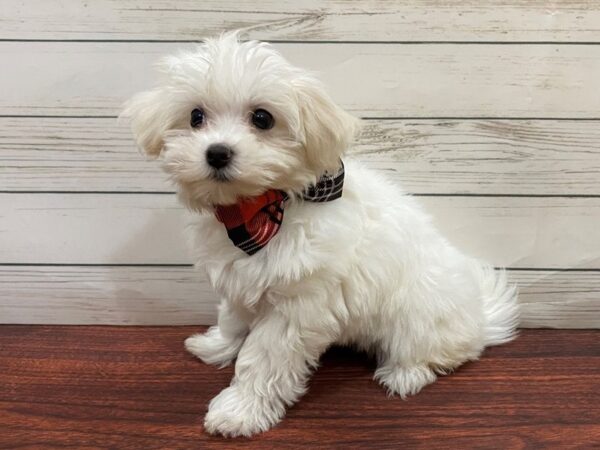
<point x="327" y="130"/>
<point x="150" y="118"/>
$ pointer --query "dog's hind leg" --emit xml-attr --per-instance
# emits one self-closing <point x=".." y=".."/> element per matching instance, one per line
<point x="429" y="340"/>
<point x="404" y="380"/>
<point x="410" y="359"/>
<point x="221" y="343"/>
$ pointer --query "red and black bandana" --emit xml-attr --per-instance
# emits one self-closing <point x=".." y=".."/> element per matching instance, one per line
<point x="251" y="223"/>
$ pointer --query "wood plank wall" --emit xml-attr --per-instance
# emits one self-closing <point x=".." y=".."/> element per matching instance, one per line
<point x="487" y="110"/>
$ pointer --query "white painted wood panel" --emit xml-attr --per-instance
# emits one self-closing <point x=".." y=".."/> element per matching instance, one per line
<point x="96" y="229"/>
<point x="74" y="154"/>
<point x="105" y="295"/>
<point x="525" y="157"/>
<point x="420" y="82"/>
<point x="397" y="20"/>
<point x="545" y="81"/>
<point x="178" y="296"/>
<point x="567" y="299"/>
<point x="522" y="231"/>
<point x="148" y="229"/>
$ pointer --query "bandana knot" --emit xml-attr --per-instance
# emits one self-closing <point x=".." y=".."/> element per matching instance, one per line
<point x="252" y="222"/>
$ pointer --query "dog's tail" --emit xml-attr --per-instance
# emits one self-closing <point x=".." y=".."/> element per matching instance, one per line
<point x="500" y="307"/>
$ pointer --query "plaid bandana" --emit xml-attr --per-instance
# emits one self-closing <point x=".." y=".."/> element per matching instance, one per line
<point x="251" y="223"/>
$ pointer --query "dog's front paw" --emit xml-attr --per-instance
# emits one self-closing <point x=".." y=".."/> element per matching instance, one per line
<point x="232" y="414"/>
<point x="214" y="348"/>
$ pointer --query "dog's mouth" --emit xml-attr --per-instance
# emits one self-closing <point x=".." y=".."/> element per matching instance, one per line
<point x="220" y="176"/>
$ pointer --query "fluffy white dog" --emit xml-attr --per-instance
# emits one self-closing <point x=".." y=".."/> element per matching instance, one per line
<point x="254" y="147"/>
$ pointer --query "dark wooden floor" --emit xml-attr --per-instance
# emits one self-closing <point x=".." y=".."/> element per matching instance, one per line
<point x="119" y="387"/>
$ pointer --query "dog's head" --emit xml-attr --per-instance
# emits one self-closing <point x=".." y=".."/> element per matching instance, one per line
<point x="234" y="119"/>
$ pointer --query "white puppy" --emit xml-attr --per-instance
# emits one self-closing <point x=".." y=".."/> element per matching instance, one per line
<point x="238" y="125"/>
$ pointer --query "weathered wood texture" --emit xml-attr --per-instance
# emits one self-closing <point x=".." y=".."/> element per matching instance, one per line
<point x="180" y="296"/>
<point x="308" y="20"/>
<point x="450" y="112"/>
<point x="106" y="295"/>
<point x="130" y="387"/>
<point x="525" y="157"/>
<point x="544" y="81"/>
<point x="148" y="229"/>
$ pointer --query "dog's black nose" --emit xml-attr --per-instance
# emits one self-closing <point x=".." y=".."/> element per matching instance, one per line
<point x="218" y="155"/>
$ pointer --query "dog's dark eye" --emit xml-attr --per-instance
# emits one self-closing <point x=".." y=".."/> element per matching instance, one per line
<point x="197" y="118"/>
<point x="262" y="119"/>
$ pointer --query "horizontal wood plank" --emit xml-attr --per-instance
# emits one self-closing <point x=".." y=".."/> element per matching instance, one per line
<point x="545" y="81"/>
<point x="312" y="20"/>
<point x="568" y="299"/>
<point x="105" y="295"/>
<point x="74" y="154"/>
<point x="179" y="296"/>
<point x="148" y="229"/>
<point x="525" y="157"/>
<point x="137" y="388"/>
<point x="96" y="228"/>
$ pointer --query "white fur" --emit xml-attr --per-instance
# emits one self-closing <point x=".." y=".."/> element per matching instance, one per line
<point x="367" y="270"/>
